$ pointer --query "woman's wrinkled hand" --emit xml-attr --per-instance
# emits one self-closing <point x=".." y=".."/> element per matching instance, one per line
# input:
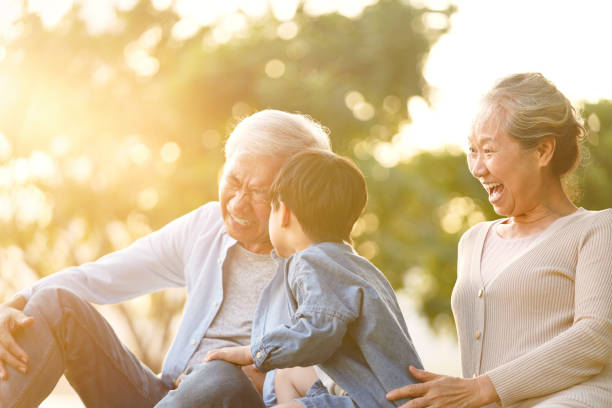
<point x="444" y="391"/>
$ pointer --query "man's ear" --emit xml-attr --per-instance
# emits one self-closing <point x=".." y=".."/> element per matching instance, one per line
<point x="546" y="150"/>
<point x="285" y="214"/>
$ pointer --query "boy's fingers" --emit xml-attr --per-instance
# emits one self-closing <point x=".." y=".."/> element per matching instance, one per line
<point x="218" y="354"/>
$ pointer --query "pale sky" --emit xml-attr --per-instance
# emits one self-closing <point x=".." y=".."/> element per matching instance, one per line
<point x="567" y="41"/>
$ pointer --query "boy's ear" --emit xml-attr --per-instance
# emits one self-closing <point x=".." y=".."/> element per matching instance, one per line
<point x="285" y="214"/>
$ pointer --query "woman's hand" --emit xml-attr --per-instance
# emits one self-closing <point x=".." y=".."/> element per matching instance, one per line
<point x="444" y="391"/>
<point x="237" y="355"/>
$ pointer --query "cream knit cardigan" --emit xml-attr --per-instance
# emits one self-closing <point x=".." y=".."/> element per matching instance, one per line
<point x="542" y="328"/>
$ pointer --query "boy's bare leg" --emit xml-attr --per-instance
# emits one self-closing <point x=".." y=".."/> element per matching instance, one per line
<point x="292" y="404"/>
<point x="292" y="383"/>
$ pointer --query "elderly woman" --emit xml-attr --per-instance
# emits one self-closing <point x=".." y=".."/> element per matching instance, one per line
<point x="533" y="298"/>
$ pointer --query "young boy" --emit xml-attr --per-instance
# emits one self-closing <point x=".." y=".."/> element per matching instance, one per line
<point x="345" y="319"/>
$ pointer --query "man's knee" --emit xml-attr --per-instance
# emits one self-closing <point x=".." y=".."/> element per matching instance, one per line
<point x="53" y="297"/>
<point x="214" y="384"/>
<point x="51" y="303"/>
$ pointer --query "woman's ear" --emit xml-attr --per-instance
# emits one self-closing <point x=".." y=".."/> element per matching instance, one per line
<point x="546" y="150"/>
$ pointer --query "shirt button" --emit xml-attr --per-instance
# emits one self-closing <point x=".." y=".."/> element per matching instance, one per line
<point x="474" y="376"/>
<point x="220" y="261"/>
<point x="478" y="334"/>
<point x="192" y="342"/>
<point x="215" y="303"/>
<point x="480" y="292"/>
<point x="258" y="355"/>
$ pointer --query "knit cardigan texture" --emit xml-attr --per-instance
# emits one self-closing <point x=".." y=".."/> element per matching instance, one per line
<point x="541" y="329"/>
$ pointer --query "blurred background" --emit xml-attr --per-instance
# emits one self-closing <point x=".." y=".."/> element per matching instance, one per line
<point x="113" y="116"/>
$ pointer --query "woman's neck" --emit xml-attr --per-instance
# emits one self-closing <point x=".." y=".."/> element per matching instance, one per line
<point x="554" y="204"/>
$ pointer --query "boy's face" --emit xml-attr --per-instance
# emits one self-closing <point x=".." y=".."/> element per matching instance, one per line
<point x="278" y="232"/>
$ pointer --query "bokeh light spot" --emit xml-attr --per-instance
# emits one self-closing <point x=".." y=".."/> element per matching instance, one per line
<point x="275" y="68"/>
<point x="364" y="111"/>
<point x="148" y="199"/>
<point x="352" y="98"/>
<point x="170" y="152"/>
<point x="287" y="30"/>
<point x="5" y="148"/>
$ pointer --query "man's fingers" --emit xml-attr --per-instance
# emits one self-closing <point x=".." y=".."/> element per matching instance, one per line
<point x="12" y="361"/>
<point x="10" y="346"/>
<point x="25" y="321"/>
<point x="422" y="374"/>
<point x="3" y="374"/>
<point x="13" y="348"/>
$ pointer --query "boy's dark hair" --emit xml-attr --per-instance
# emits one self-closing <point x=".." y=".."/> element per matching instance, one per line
<point x="326" y="192"/>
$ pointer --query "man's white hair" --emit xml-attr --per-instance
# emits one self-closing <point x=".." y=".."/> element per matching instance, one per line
<point x="276" y="133"/>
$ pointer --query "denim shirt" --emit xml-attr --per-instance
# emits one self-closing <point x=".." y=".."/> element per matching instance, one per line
<point x="339" y="313"/>
<point x="188" y="252"/>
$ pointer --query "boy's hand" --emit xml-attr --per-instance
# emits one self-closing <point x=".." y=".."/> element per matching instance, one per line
<point x="237" y="355"/>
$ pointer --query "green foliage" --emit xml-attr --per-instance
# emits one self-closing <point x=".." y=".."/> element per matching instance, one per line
<point x="595" y="171"/>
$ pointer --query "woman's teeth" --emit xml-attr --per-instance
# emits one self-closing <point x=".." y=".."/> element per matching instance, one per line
<point x="491" y="187"/>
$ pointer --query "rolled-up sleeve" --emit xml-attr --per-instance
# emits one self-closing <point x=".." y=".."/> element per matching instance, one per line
<point x="318" y="326"/>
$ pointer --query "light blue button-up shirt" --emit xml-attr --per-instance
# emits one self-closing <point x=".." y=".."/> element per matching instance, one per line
<point x="331" y="307"/>
<point x="188" y="252"/>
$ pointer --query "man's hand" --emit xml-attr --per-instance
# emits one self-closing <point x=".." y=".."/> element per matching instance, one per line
<point x="237" y="355"/>
<point x="11" y="320"/>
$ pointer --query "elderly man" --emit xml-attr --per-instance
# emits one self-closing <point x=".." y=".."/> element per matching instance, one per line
<point x="219" y="252"/>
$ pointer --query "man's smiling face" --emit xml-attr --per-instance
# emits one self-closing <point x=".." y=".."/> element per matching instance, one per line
<point x="243" y="195"/>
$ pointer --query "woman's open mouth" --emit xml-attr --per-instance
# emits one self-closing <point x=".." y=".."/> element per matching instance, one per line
<point x="495" y="191"/>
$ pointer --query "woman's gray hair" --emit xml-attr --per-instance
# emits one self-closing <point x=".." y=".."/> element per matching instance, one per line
<point x="276" y="133"/>
<point x="529" y="108"/>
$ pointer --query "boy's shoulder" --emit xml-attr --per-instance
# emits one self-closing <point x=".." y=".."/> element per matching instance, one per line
<point x="324" y="252"/>
<point x="339" y="258"/>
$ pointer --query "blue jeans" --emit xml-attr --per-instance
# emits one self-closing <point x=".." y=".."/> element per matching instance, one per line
<point x="217" y="384"/>
<point x="318" y="397"/>
<point x="70" y="337"/>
